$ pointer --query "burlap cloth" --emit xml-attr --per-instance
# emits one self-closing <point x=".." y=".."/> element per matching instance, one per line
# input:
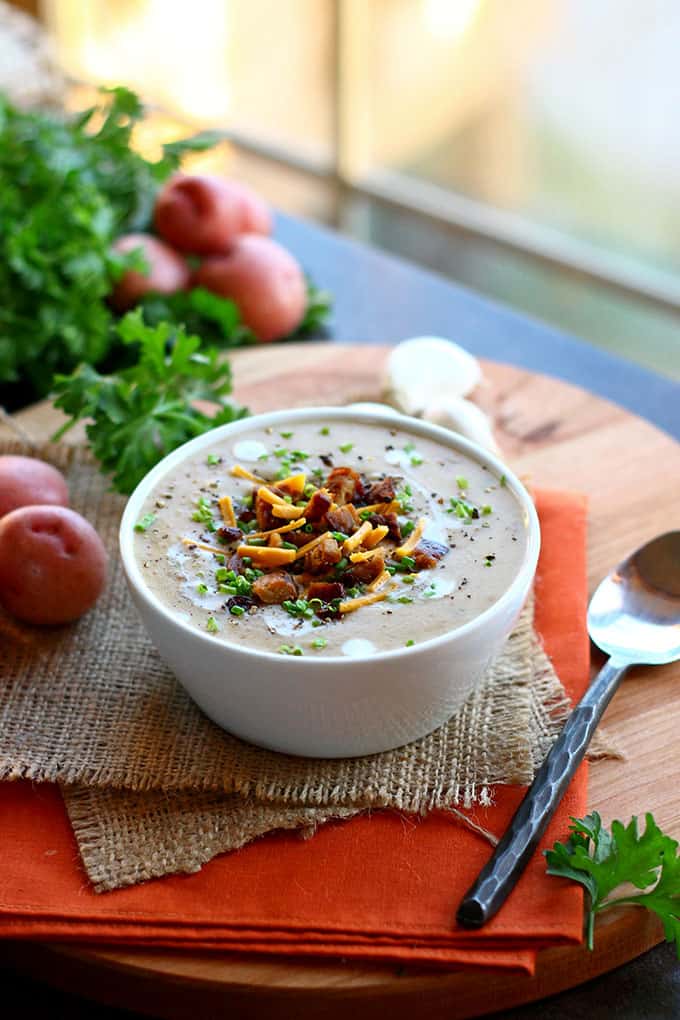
<point x="152" y="786"/>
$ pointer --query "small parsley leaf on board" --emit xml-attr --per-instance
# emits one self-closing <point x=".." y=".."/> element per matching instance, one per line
<point x="141" y="413"/>
<point x="602" y="861"/>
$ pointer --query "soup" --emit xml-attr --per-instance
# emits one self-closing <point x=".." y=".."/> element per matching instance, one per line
<point x="329" y="539"/>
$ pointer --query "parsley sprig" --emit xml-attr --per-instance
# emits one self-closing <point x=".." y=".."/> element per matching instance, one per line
<point x="601" y="861"/>
<point x="141" y="413"/>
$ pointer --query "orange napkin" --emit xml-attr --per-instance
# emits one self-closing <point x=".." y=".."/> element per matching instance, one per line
<point x="379" y="887"/>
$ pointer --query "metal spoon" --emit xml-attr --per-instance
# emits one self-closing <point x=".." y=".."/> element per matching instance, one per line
<point x="634" y="616"/>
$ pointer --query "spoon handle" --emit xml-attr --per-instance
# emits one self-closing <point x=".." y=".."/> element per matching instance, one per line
<point x="499" y="875"/>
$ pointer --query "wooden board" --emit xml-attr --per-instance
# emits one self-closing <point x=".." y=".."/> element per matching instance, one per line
<point x="559" y="436"/>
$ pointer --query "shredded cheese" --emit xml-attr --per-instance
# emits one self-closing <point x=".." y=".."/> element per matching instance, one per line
<point x="376" y="536"/>
<point x="355" y="540"/>
<point x="275" y="541"/>
<point x="361" y="557"/>
<point x="227" y="510"/>
<point x="362" y="600"/>
<point x="379" y="581"/>
<point x="270" y="497"/>
<point x="294" y="484"/>
<point x="412" y="541"/>
<point x="202" y="545"/>
<point x="287" y="512"/>
<point x="241" y="472"/>
<point x="380" y="508"/>
<point x="265" y="556"/>
<point x="291" y="526"/>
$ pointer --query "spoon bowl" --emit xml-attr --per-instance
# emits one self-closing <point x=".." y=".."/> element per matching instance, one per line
<point x="634" y="615"/>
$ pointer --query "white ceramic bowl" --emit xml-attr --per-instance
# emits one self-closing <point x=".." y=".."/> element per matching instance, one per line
<point x="334" y="706"/>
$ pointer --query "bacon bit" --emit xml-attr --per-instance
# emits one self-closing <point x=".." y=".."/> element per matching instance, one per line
<point x="379" y="581"/>
<point x="326" y="590"/>
<point x="412" y="541"/>
<point x="383" y="491"/>
<point x="363" y="600"/>
<point x="366" y="570"/>
<point x="228" y="535"/>
<point x="275" y="588"/>
<point x="355" y="540"/>
<point x="344" y="484"/>
<point x="318" y="505"/>
<point x="376" y="536"/>
<point x="264" y="556"/>
<point x="241" y="472"/>
<point x="323" y="556"/>
<point x="291" y="526"/>
<point x="308" y="545"/>
<point x="294" y="484"/>
<point x="391" y="521"/>
<point x="202" y="545"/>
<point x="288" y="512"/>
<point x="343" y="518"/>
<point x="427" y="553"/>
<point x="227" y="510"/>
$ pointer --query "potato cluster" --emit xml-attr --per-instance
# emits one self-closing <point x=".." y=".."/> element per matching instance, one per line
<point x="226" y="225"/>
<point x="52" y="561"/>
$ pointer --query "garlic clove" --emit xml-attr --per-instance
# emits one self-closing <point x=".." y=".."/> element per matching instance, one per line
<point x="462" y="416"/>
<point x="426" y="369"/>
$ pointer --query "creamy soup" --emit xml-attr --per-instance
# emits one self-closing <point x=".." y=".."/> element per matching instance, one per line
<point x="336" y="538"/>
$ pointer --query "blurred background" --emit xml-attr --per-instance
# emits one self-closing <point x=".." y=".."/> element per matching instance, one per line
<point x="530" y="150"/>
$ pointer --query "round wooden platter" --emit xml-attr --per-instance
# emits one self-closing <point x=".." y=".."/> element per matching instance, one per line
<point x="555" y="435"/>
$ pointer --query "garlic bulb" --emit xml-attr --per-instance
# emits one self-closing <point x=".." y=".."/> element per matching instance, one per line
<point x="462" y="416"/>
<point x="428" y="369"/>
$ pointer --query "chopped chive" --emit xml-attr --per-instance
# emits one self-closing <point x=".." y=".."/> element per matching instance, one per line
<point x="346" y="447"/>
<point x="211" y="625"/>
<point x="281" y="451"/>
<point x="410" y="643"/>
<point x="409" y="447"/>
<point x="339" y="536"/>
<point x="263" y="456"/>
<point x="308" y="528"/>
<point x="325" y="431"/>
<point x="309" y="490"/>
<point x="416" y="459"/>
<point x="317" y="623"/>
<point x="145" y="522"/>
<point x="365" y="514"/>
<point x="236" y="610"/>
<point x="202" y="588"/>
<point x="404" y="599"/>
<point x="285" y="435"/>
<point x="486" y="510"/>
<point x="246" y="561"/>
<point x="406" y="564"/>
<point x="288" y="545"/>
<point x="409" y="579"/>
<point x="257" y="541"/>
<point x="319" y="642"/>
<point x="407" y="528"/>
<point x="391" y="569"/>
<point x="288" y="499"/>
<point x="213" y="458"/>
<point x="503" y="481"/>
<point x="342" y="565"/>
<point x="222" y="574"/>
<point x="220" y="558"/>
<point x="290" y="650"/>
<point x="461" y="482"/>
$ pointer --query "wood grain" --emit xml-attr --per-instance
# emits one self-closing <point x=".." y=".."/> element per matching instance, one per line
<point x="558" y="436"/>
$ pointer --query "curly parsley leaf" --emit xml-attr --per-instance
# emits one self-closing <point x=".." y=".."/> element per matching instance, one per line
<point x="141" y="413"/>
<point x="602" y="861"/>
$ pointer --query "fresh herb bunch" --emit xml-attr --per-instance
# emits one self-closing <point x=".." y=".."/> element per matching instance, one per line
<point x="69" y="185"/>
<point x="144" y="411"/>
<point x="602" y="861"/>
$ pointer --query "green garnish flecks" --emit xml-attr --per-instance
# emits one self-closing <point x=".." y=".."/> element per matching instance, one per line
<point x="145" y="522"/>
<point x="213" y="458"/>
<point x="503" y="481"/>
<point x="486" y="510"/>
<point x="285" y="435"/>
<point x="211" y="625"/>
<point x="290" y="650"/>
<point x="319" y="642"/>
<point x="346" y="447"/>
<point x="325" y="431"/>
<point x="410" y="643"/>
<point x="461" y="481"/>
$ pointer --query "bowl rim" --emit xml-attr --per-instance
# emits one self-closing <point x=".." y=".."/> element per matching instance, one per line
<point x="389" y="417"/>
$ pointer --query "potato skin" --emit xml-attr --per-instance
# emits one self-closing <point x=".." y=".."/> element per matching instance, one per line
<point x="52" y="564"/>
<point x="28" y="481"/>
<point x="168" y="272"/>
<point x="198" y="214"/>
<point x="265" y="282"/>
<point x="256" y="217"/>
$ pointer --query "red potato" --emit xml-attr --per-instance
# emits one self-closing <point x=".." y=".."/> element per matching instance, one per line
<point x="27" y="480"/>
<point x="256" y="217"/>
<point x="200" y="215"/>
<point x="52" y="564"/>
<point x="168" y="272"/>
<point x="264" y="281"/>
